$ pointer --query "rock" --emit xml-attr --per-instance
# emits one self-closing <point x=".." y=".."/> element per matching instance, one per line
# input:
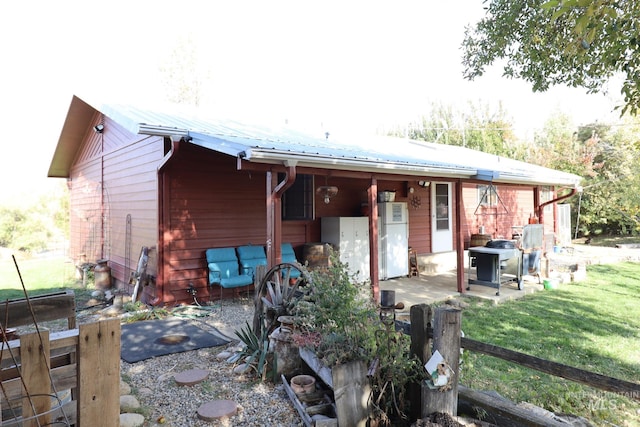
<point x="241" y="368"/>
<point x="145" y="391"/>
<point x="124" y="388"/>
<point x="131" y="420"/>
<point x="128" y="403"/>
<point x="224" y="355"/>
<point x="97" y="294"/>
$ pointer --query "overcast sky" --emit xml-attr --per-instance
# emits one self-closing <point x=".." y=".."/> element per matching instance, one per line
<point x="341" y="65"/>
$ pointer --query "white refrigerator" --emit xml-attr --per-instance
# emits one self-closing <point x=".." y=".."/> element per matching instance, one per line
<point x="393" y="243"/>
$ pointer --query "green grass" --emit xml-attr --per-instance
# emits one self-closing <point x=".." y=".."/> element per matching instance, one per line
<point x="39" y="276"/>
<point x="592" y="325"/>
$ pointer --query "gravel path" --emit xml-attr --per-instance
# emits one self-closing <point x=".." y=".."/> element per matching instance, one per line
<point x="166" y="403"/>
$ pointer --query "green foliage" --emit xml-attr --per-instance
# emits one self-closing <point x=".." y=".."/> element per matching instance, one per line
<point x="339" y="320"/>
<point x="476" y="127"/>
<point x="549" y="42"/>
<point x="341" y="310"/>
<point x="256" y="350"/>
<point x="33" y="226"/>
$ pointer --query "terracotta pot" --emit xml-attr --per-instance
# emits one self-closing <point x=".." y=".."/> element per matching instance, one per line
<point x="303" y="384"/>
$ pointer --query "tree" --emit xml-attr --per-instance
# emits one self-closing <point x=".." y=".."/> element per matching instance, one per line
<point x="476" y="127"/>
<point x="579" y="43"/>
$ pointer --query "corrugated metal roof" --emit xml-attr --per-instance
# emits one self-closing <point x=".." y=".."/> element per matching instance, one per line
<point x="363" y="153"/>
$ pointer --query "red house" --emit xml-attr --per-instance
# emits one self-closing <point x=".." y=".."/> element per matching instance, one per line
<point x="181" y="185"/>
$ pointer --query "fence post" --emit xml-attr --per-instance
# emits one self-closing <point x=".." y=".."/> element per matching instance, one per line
<point x="446" y="339"/>
<point x="420" y="317"/>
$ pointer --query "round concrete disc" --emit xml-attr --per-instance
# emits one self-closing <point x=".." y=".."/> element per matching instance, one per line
<point x="217" y="409"/>
<point x="191" y="377"/>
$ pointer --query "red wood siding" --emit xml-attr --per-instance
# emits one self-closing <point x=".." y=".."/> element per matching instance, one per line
<point x="497" y="220"/>
<point x="114" y="175"/>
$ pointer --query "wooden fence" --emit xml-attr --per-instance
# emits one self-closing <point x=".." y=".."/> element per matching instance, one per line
<point x="62" y="378"/>
<point x="444" y="324"/>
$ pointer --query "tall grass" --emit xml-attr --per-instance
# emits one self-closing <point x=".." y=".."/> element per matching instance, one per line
<point x="592" y="325"/>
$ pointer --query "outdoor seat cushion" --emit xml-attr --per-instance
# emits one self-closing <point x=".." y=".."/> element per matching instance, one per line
<point x="224" y="269"/>
<point x="288" y="255"/>
<point x="250" y="257"/>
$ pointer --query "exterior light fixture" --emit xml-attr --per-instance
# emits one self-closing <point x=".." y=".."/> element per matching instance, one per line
<point x="99" y="128"/>
<point x="327" y="192"/>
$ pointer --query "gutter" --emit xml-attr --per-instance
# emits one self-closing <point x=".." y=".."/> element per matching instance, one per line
<point x="556" y="200"/>
<point x="160" y="279"/>
<point x="274" y="238"/>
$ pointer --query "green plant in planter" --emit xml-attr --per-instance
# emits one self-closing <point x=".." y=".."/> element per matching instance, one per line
<point x="340" y="322"/>
<point x="339" y="310"/>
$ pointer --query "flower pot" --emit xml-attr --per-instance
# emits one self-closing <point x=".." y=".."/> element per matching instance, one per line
<point x="303" y="384"/>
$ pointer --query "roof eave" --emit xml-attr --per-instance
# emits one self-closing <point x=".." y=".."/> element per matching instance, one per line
<point x="73" y="132"/>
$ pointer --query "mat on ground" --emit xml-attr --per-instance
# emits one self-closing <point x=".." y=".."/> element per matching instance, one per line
<point x="150" y="338"/>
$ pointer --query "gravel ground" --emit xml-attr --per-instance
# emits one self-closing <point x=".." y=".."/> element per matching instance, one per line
<point x="168" y="404"/>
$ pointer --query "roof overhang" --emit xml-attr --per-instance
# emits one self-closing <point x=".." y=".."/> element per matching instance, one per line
<point x="73" y="133"/>
<point x="383" y="155"/>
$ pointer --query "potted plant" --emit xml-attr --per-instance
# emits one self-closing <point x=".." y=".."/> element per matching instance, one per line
<point x="339" y="323"/>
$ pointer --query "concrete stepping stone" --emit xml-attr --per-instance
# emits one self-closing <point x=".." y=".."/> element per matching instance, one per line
<point x="191" y="377"/>
<point x="217" y="409"/>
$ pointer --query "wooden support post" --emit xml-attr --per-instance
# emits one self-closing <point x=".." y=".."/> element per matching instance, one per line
<point x="99" y="374"/>
<point x="446" y="339"/>
<point x="421" y="317"/>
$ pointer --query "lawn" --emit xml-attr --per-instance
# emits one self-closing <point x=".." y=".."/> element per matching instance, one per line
<point x="39" y="275"/>
<point x="592" y="325"/>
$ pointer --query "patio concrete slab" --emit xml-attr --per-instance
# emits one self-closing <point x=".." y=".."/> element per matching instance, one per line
<point x="430" y="289"/>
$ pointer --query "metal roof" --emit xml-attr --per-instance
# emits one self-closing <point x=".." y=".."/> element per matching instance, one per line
<point x="380" y="154"/>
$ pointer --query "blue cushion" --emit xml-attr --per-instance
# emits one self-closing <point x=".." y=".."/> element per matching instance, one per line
<point x="288" y="255"/>
<point x="224" y="269"/>
<point x="250" y="257"/>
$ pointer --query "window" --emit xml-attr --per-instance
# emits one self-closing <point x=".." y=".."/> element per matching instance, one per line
<point x="487" y="195"/>
<point x="297" y="201"/>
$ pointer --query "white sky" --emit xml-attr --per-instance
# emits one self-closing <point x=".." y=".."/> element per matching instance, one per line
<point x="343" y="65"/>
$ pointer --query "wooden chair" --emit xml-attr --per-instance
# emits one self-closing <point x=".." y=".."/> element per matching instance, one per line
<point x="413" y="263"/>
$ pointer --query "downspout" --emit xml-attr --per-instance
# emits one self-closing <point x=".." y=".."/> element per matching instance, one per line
<point x="540" y="208"/>
<point x="162" y="262"/>
<point x="274" y="214"/>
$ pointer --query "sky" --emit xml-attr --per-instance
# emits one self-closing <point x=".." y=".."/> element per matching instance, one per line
<point x="343" y="66"/>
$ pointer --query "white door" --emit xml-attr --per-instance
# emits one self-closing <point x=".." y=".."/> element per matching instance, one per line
<point x="441" y="222"/>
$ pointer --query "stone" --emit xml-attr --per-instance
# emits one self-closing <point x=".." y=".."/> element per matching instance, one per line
<point x="128" y="403"/>
<point x="131" y="420"/>
<point x="124" y="388"/>
<point x="191" y="377"/>
<point x="217" y="409"/>
<point x="241" y="368"/>
<point x="223" y="355"/>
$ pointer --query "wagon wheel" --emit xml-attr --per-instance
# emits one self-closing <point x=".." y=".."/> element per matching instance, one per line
<point x="277" y="295"/>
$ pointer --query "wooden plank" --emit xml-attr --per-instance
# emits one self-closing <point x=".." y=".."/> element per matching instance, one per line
<point x="35" y="374"/>
<point x="505" y="408"/>
<point x="60" y="305"/>
<point x="63" y="378"/>
<point x="60" y="343"/>
<point x="351" y="390"/>
<point x="421" y="317"/>
<point x="99" y="374"/>
<point x="602" y="382"/>
<point x="317" y="366"/>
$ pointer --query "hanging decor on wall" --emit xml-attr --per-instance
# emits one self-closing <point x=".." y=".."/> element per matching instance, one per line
<point x="416" y="202"/>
